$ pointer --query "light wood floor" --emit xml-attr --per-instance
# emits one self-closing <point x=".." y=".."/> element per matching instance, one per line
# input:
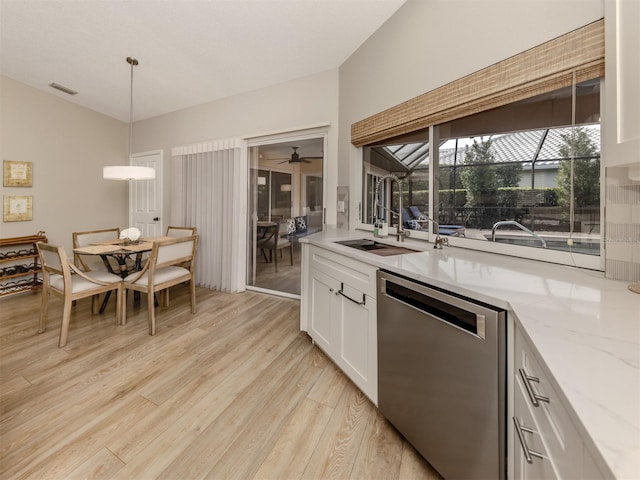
<point x="234" y="391"/>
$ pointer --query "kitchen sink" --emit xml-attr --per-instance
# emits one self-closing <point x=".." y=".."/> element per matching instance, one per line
<point x="378" y="248"/>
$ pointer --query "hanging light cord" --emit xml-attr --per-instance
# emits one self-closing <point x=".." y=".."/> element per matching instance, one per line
<point x="131" y="61"/>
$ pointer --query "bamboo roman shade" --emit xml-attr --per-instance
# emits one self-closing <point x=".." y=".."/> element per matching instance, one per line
<point x="542" y="69"/>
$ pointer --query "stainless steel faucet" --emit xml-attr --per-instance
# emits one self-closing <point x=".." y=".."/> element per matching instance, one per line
<point x="400" y="232"/>
<point x="439" y="242"/>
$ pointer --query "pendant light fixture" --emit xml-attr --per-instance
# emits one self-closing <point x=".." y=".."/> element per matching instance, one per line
<point x="129" y="172"/>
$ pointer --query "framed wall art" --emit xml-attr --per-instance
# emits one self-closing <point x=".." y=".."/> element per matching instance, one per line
<point x="18" y="174"/>
<point x="18" y="208"/>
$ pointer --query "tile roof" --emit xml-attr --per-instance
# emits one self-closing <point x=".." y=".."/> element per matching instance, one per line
<point x="509" y="147"/>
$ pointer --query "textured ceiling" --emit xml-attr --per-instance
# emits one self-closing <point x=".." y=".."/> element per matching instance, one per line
<point x="190" y="51"/>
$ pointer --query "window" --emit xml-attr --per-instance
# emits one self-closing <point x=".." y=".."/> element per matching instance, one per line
<point x="516" y="188"/>
<point x="522" y="179"/>
<point x="408" y="158"/>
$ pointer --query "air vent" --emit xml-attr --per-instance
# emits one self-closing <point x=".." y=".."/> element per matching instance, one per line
<point x="62" y="88"/>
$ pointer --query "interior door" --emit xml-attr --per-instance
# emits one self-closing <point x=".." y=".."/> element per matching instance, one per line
<point x="145" y="196"/>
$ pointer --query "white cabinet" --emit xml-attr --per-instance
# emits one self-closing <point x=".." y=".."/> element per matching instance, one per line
<point x="621" y="118"/>
<point x="548" y="444"/>
<point x="357" y="339"/>
<point x="339" y="313"/>
<point x="530" y="457"/>
<point x="322" y="310"/>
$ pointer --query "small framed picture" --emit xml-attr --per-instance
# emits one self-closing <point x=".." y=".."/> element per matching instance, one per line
<point x="18" y="208"/>
<point x="18" y="174"/>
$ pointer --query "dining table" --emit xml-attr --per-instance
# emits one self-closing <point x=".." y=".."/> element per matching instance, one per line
<point x="120" y="250"/>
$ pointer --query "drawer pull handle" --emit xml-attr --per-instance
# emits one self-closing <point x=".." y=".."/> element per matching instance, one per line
<point x="528" y="454"/>
<point x="341" y="292"/>
<point x="535" y="397"/>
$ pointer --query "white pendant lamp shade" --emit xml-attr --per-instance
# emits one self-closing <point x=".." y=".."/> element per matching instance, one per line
<point x="128" y="172"/>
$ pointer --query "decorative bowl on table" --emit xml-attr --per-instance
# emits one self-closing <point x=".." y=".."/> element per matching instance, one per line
<point x="131" y="236"/>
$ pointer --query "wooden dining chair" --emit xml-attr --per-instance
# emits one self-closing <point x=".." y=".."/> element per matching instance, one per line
<point x="273" y="243"/>
<point x="63" y="278"/>
<point x="165" y="268"/>
<point x="178" y="232"/>
<point x="93" y="262"/>
<point x="181" y="231"/>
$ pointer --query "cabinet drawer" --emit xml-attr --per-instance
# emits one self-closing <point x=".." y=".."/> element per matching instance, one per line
<point x="353" y="273"/>
<point x="539" y="464"/>
<point x="556" y="427"/>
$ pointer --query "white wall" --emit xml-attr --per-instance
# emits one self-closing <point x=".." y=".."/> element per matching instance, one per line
<point x="68" y="146"/>
<point x="427" y="44"/>
<point x="285" y="107"/>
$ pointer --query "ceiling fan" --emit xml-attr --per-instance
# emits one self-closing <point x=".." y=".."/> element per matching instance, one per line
<point x="296" y="158"/>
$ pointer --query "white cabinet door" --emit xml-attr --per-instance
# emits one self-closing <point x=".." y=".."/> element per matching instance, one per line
<point x="538" y="405"/>
<point x="621" y="119"/>
<point x="321" y="326"/>
<point x="357" y="355"/>
<point x="341" y="318"/>
<point x="590" y="469"/>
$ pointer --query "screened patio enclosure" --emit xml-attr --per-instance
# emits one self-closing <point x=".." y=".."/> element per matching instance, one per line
<point x="531" y="187"/>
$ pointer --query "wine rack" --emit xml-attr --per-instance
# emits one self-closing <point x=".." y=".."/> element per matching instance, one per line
<point x="20" y="268"/>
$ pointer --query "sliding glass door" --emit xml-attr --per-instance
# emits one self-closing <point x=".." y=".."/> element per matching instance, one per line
<point x="273" y="195"/>
<point x="285" y="195"/>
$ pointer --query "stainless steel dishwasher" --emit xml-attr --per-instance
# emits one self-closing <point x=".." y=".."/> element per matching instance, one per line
<point x="442" y="376"/>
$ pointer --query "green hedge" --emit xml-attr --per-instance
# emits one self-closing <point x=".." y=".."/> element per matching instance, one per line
<point x="510" y="203"/>
<point x="507" y="197"/>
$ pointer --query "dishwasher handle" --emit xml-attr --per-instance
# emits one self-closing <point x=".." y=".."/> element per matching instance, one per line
<point x="444" y="308"/>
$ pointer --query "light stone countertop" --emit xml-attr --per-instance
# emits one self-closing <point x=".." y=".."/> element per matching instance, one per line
<point x="585" y="328"/>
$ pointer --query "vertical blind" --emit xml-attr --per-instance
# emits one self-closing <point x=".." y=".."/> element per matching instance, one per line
<point x="539" y="70"/>
<point x="209" y="191"/>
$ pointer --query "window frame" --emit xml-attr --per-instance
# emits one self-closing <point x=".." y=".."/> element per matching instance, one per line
<point x="592" y="262"/>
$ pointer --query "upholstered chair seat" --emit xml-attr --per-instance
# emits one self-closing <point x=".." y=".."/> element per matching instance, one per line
<point x="162" y="275"/>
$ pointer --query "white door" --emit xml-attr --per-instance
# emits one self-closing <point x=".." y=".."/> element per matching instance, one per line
<point x="145" y="196"/>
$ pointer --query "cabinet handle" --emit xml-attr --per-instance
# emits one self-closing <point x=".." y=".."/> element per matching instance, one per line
<point x="528" y="454"/>
<point x="340" y="292"/>
<point x="533" y="396"/>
